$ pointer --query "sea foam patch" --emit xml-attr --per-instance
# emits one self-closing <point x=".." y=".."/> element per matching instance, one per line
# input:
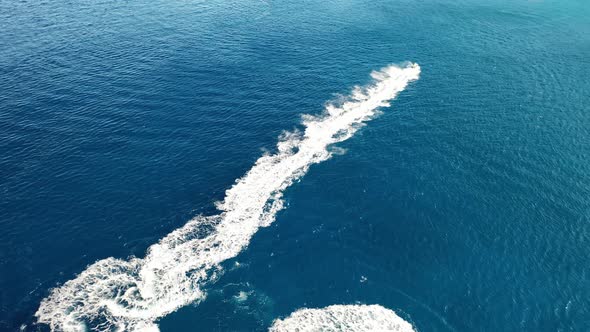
<point x="131" y="295"/>
<point x="341" y="318"/>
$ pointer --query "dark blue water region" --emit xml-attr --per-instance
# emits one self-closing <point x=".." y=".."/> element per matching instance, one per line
<point x="464" y="207"/>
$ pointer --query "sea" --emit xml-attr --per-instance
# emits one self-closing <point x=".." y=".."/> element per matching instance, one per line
<point x="282" y="165"/>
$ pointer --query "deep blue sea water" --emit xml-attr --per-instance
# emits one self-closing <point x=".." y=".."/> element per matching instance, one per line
<point x="465" y="206"/>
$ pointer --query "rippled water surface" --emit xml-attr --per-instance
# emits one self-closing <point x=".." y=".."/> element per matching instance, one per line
<point x="465" y="206"/>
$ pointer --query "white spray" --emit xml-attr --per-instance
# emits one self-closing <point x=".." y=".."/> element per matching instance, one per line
<point x="350" y="318"/>
<point x="131" y="295"/>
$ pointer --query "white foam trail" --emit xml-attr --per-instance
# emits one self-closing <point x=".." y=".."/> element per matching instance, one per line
<point x="342" y="318"/>
<point x="126" y="295"/>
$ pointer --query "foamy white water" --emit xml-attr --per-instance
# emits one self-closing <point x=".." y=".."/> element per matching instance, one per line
<point x="131" y="295"/>
<point x="343" y="318"/>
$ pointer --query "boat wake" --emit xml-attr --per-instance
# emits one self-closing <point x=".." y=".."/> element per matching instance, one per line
<point x="131" y="295"/>
<point x="350" y="318"/>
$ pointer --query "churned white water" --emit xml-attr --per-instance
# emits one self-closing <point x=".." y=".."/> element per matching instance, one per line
<point x="131" y="295"/>
<point x="340" y="318"/>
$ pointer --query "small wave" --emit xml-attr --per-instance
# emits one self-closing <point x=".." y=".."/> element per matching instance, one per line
<point x="349" y="318"/>
<point x="131" y="295"/>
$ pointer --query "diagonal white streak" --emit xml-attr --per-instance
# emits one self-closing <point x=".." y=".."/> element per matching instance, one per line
<point x="126" y="295"/>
